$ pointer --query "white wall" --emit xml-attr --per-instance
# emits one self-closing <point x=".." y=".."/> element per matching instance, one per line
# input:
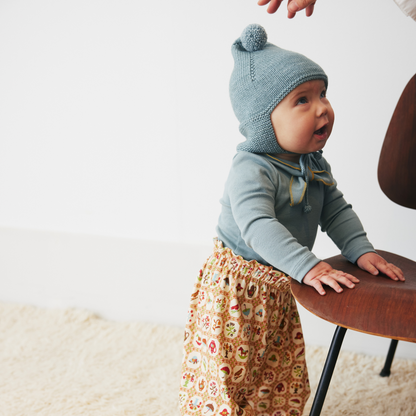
<point x="115" y="122"/>
<point x="127" y="280"/>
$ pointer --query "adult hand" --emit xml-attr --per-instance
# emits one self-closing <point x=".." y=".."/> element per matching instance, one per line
<point x="293" y="6"/>
<point x="323" y="273"/>
<point x="373" y="263"/>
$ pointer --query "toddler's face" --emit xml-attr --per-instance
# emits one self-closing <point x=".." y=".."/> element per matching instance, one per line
<point x="303" y="120"/>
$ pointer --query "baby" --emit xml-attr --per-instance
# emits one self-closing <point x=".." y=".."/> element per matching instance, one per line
<point x="244" y="349"/>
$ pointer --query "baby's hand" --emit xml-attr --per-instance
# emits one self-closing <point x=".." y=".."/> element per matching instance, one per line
<point x="373" y="263"/>
<point x="323" y="273"/>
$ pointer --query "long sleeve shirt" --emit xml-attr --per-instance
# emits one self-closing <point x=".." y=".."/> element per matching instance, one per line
<point x="263" y="216"/>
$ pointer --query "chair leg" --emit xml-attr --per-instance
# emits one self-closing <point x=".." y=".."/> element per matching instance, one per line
<point x="328" y="370"/>
<point x="385" y="372"/>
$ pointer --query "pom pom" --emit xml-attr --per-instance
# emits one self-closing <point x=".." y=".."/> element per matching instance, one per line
<point x="307" y="209"/>
<point x="253" y="38"/>
<point x="318" y="155"/>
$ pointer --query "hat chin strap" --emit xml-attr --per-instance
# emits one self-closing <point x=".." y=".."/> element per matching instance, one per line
<point x="304" y="162"/>
<point x="260" y="136"/>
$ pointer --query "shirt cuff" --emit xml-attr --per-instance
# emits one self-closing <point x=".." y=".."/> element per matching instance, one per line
<point x="408" y="7"/>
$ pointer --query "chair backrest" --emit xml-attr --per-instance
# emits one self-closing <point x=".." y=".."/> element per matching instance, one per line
<point x="397" y="163"/>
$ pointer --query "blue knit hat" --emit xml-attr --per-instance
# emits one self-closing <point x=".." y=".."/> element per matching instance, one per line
<point x="263" y="75"/>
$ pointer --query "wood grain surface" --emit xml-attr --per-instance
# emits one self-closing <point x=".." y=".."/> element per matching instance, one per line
<point x="377" y="305"/>
<point x="397" y="162"/>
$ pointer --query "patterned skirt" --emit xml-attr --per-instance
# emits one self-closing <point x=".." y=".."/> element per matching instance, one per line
<point x="244" y="352"/>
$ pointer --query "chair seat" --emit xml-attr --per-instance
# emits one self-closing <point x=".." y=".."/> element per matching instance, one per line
<point x="377" y="305"/>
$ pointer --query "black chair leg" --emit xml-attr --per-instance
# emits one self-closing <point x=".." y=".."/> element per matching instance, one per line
<point x="328" y="370"/>
<point x="385" y="372"/>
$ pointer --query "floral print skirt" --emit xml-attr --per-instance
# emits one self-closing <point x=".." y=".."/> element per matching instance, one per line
<point x="244" y="352"/>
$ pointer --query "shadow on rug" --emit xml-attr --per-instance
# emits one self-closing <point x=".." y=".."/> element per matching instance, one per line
<point x="70" y="362"/>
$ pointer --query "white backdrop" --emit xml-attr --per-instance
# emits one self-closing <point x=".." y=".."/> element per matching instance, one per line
<point x="115" y="119"/>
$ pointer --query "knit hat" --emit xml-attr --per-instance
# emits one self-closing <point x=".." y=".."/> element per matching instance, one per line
<point x="263" y="75"/>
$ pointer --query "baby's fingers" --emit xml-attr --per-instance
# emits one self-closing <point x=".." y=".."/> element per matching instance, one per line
<point x="331" y="282"/>
<point x="333" y="279"/>
<point x="349" y="277"/>
<point x="317" y="285"/>
<point x="373" y="263"/>
<point x="336" y="277"/>
<point x="391" y="271"/>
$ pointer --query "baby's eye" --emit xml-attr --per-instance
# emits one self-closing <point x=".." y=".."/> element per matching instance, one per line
<point x="323" y="94"/>
<point x="302" y="100"/>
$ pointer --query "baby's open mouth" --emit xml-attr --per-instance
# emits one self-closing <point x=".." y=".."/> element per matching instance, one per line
<point x="321" y="131"/>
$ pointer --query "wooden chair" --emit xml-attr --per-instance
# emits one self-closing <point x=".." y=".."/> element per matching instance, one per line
<point x="377" y="305"/>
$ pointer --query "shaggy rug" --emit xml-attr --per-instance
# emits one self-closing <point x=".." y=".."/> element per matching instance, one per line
<point x="70" y="362"/>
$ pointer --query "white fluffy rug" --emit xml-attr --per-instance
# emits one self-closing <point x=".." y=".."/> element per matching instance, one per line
<point x="70" y="362"/>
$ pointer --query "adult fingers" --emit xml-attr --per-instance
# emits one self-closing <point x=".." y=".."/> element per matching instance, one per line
<point x="273" y="5"/>
<point x="295" y="6"/>
<point x="309" y="10"/>
<point x="302" y="4"/>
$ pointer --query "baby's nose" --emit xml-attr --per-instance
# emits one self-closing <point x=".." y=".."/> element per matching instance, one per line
<point x="322" y="110"/>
